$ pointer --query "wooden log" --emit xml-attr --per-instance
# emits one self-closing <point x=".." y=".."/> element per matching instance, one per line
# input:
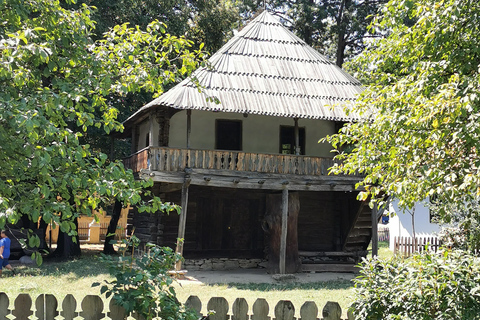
<point x="116" y="312"/>
<point x="284" y="310"/>
<point x="46" y="307"/>
<point x="92" y="308"/>
<point x="273" y="219"/>
<point x="332" y="311"/>
<point x="194" y="303"/>
<point x="309" y="311"/>
<point x="220" y="305"/>
<point x="23" y="306"/>
<point x="283" y="233"/>
<point x="4" y="303"/>
<point x="240" y="309"/>
<point x="69" y="307"/>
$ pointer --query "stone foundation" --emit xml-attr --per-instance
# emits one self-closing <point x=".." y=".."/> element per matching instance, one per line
<point x="218" y="264"/>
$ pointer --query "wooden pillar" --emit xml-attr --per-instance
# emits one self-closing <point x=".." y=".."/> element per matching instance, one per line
<point x="134" y="136"/>
<point x="182" y="222"/>
<point x="283" y="235"/>
<point x="189" y="127"/>
<point x="297" y="137"/>
<point x="150" y="134"/>
<point x="374" y="231"/>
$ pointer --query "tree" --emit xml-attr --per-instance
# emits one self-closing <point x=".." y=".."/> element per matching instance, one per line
<point x="421" y="129"/>
<point x="54" y="84"/>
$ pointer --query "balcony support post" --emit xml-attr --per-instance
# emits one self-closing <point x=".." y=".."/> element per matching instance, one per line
<point x="283" y="238"/>
<point x="189" y="127"/>
<point x="182" y="221"/>
<point x="374" y="231"/>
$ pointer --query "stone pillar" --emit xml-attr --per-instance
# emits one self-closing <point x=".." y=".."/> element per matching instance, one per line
<point x="94" y="232"/>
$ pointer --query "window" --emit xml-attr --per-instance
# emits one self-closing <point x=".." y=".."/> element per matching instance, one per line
<point x="228" y="135"/>
<point x="287" y="139"/>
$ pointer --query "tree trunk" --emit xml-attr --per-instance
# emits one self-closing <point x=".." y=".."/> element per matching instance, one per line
<point x="112" y="227"/>
<point x="66" y="247"/>
<point x="273" y="219"/>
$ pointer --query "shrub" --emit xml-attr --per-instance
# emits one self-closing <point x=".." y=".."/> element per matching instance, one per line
<point x="142" y="284"/>
<point x="445" y="285"/>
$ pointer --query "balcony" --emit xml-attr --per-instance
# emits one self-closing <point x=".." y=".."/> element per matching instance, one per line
<point x="169" y="162"/>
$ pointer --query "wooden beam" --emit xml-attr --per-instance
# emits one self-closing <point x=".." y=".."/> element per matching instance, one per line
<point x="374" y="231"/>
<point x="182" y="222"/>
<point x="150" y="132"/>
<point x="240" y="180"/>
<point x="283" y="239"/>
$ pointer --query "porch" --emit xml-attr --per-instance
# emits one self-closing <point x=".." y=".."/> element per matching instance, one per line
<point x="237" y="169"/>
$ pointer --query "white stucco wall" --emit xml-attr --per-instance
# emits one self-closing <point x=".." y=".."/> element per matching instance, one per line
<point x="144" y="130"/>
<point x="400" y="225"/>
<point x="261" y="134"/>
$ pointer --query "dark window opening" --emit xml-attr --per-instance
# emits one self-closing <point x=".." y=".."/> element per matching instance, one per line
<point x="228" y="135"/>
<point x="287" y="140"/>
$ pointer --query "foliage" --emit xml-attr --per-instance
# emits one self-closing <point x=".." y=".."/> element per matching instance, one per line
<point x="424" y="286"/>
<point x="54" y="85"/>
<point x="142" y="284"/>
<point x="420" y="133"/>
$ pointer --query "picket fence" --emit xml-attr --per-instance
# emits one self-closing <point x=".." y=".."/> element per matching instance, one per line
<point x="92" y="308"/>
<point x="407" y="245"/>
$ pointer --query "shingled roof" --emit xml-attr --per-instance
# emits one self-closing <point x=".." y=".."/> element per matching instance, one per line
<point x="265" y="69"/>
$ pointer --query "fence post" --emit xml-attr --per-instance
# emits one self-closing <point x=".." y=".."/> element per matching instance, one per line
<point x="284" y="310"/>
<point x="220" y="305"/>
<point x="240" y="309"/>
<point x="309" y="311"/>
<point x="92" y="308"/>
<point x="23" y="304"/>
<point x="260" y="310"/>
<point x="332" y="311"/>
<point x="194" y="303"/>
<point x="4" y="303"/>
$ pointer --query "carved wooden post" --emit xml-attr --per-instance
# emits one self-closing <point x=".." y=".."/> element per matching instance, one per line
<point x="194" y="303"/>
<point x="69" y="307"/>
<point x="92" y="308"/>
<point x="260" y="310"/>
<point x="4" y="303"/>
<point x="284" y="310"/>
<point x="189" y="127"/>
<point x="46" y="307"/>
<point x="332" y="311"/>
<point x="283" y="233"/>
<point x="240" y="309"/>
<point x="220" y="306"/>
<point x="273" y="218"/>
<point x="23" y="306"/>
<point x="116" y="312"/>
<point x="309" y="311"/>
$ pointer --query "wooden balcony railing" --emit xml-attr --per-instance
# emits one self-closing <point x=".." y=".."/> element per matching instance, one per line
<point x="171" y="159"/>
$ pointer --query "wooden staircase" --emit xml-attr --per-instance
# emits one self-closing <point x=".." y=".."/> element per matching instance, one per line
<point x="360" y="234"/>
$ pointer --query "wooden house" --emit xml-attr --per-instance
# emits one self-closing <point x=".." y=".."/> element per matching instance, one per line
<point x="242" y="158"/>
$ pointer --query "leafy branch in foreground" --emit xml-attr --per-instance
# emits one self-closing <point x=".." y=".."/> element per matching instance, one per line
<point x="142" y="283"/>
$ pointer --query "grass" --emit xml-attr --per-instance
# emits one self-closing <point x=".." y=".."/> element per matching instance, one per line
<point x="75" y="277"/>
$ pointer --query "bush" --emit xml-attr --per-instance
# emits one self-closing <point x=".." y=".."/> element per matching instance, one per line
<point x="142" y="284"/>
<point x="445" y="285"/>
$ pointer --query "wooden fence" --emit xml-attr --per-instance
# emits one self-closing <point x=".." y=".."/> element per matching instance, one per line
<point x="407" y="245"/>
<point x="92" y="307"/>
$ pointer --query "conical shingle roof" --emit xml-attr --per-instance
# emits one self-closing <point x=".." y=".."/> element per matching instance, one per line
<point x="265" y="69"/>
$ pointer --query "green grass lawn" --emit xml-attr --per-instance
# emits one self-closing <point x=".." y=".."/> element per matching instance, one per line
<point x="75" y="277"/>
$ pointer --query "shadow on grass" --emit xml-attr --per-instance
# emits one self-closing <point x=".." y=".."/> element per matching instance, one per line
<point x="265" y="287"/>
<point x="88" y="264"/>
